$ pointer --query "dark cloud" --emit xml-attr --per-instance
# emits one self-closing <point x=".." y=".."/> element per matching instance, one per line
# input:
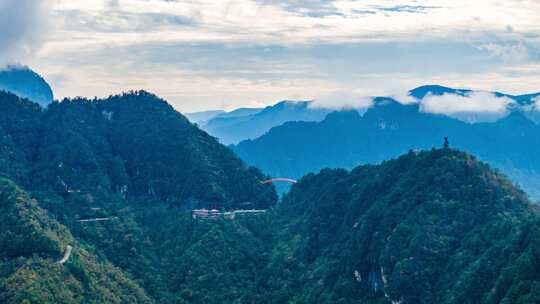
<point x="23" y="26"/>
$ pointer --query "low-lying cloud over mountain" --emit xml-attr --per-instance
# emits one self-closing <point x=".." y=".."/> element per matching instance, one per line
<point x="485" y="104"/>
<point x="537" y="103"/>
<point x="342" y="100"/>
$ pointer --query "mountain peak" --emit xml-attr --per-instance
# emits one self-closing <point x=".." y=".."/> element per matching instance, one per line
<point x="22" y="81"/>
<point x="396" y="223"/>
<point x="289" y="104"/>
<point x="421" y="91"/>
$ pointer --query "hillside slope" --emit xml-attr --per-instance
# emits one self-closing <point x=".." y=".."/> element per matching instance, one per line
<point x="119" y="174"/>
<point x="133" y="145"/>
<point x="31" y="243"/>
<point x="428" y="227"/>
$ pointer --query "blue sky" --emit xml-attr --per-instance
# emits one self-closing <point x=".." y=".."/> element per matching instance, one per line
<point x="224" y="54"/>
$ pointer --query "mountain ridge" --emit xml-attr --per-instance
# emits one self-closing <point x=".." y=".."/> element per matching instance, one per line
<point x="26" y="83"/>
<point x="410" y="230"/>
<point x="232" y="129"/>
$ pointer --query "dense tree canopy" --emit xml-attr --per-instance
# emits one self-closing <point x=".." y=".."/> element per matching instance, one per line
<point x="434" y="226"/>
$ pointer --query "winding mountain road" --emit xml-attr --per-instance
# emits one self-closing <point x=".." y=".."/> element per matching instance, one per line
<point x="67" y="254"/>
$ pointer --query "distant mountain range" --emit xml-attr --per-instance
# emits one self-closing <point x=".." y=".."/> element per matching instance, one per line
<point x="202" y="117"/>
<point x="249" y="123"/>
<point x="24" y="82"/>
<point x="389" y="128"/>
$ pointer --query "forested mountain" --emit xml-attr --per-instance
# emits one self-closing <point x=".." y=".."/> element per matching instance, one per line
<point x="31" y="243"/>
<point x="346" y="139"/>
<point x="429" y="227"/>
<point x="232" y="127"/>
<point x="26" y="83"/>
<point x="131" y="160"/>
<point x="133" y="145"/>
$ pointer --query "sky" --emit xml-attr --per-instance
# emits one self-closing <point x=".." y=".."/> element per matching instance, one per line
<point x="221" y="54"/>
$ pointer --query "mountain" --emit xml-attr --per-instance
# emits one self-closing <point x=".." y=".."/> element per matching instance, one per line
<point x="133" y="144"/>
<point x="346" y="139"/>
<point x="116" y="179"/>
<point x="241" y="124"/>
<point x="201" y="118"/>
<point x="26" y="83"/>
<point x="96" y="199"/>
<point x="32" y="242"/>
<point x="250" y="123"/>
<point x="438" y="90"/>
<point x="429" y="227"/>
<point x="240" y="112"/>
<point x="526" y="103"/>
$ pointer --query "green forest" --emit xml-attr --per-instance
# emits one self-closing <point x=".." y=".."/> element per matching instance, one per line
<point x="434" y="226"/>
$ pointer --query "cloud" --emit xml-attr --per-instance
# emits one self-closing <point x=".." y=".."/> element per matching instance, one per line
<point x="23" y="24"/>
<point x="297" y="22"/>
<point x="536" y="102"/>
<point x="313" y="8"/>
<point x="268" y="50"/>
<point x="473" y="107"/>
<point x="339" y="100"/>
<point x="509" y="52"/>
<point x="404" y="97"/>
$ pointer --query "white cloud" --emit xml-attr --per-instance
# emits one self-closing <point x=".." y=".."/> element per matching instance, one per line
<point x="404" y="97"/>
<point x="256" y="21"/>
<point x="473" y="107"/>
<point x="84" y="49"/>
<point x="23" y="26"/>
<point x="342" y="100"/>
<point x="537" y="103"/>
